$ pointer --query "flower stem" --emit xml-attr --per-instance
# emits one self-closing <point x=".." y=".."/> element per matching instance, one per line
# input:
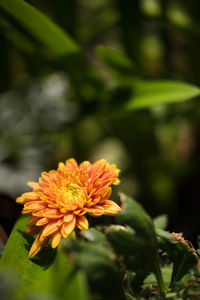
<point x="177" y="267"/>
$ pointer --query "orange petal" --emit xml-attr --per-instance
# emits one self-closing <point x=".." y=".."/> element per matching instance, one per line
<point x="52" y="213"/>
<point x="34" y="185"/>
<point x="94" y="200"/>
<point x="38" y="244"/>
<point x="85" y="165"/>
<point x="45" y="176"/>
<point x="45" y="180"/>
<point x="83" y="211"/>
<point x="56" y="239"/>
<point x="70" y="164"/>
<point x="110" y="207"/>
<point x="82" y="222"/>
<point x="38" y="213"/>
<point x="105" y="193"/>
<point x="116" y="181"/>
<point x="27" y="197"/>
<point x="96" y="211"/>
<point x="42" y="221"/>
<point x="50" y="228"/>
<point x="26" y="212"/>
<point x="77" y="212"/>
<point x="90" y="189"/>
<point x="97" y="169"/>
<point x="106" y="173"/>
<point x="61" y="167"/>
<point x="20" y="200"/>
<point x="68" y="217"/>
<point x="35" y="205"/>
<point x="32" y="221"/>
<point x="67" y="228"/>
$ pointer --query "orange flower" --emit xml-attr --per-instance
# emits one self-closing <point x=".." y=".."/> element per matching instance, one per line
<point x="62" y="197"/>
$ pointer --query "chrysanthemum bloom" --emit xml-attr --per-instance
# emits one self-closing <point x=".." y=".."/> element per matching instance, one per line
<point x="62" y="197"/>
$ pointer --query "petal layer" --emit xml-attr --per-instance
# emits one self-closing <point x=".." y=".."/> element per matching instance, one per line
<point x="82" y="223"/>
<point x="110" y="207"/>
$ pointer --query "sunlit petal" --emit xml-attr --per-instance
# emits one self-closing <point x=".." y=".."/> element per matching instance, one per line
<point x="82" y="223"/>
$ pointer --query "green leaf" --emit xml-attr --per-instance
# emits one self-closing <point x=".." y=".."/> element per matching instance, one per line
<point x="137" y="281"/>
<point x="127" y="242"/>
<point x="160" y="222"/>
<point x="93" y="235"/>
<point x="136" y="253"/>
<point x="37" y="276"/>
<point x="99" y="263"/>
<point x="133" y="214"/>
<point x="96" y="236"/>
<point x="148" y="93"/>
<point x="119" y="64"/>
<point x="166" y="271"/>
<point x="139" y="244"/>
<point x="42" y="28"/>
<point x="179" y="251"/>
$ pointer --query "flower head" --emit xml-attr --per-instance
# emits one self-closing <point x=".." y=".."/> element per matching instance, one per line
<point x="62" y="197"/>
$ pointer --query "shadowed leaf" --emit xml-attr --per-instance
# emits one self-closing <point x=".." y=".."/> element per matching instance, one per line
<point x="137" y="244"/>
<point x="99" y="263"/>
<point x="38" y="275"/>
<point x="179" y="251"/>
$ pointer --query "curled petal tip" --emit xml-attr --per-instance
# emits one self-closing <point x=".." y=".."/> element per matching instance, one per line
<point x="116" y="182"/>
<point x="111" y="208"/>
<point x="38" y="244"/>
<point x="32" y="184"/>
<point x="82" y="223"/>
<point x="20" y="200"/>
<point x="55" y="239"/>
<point x="67" y="228"/>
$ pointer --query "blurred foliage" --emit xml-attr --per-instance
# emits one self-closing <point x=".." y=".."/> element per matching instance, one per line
<point x="35" y="279"/>
<point x="78" y="79"/>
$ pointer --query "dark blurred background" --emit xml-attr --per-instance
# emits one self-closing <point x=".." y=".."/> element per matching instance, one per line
<point x="47" y="111"/>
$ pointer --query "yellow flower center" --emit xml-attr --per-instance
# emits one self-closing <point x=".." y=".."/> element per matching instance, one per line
<point x="71" y="198"/>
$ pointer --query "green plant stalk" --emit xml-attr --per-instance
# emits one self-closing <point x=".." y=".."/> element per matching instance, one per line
<point x="160" y="281"/>
<point x="176" y="273"/>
